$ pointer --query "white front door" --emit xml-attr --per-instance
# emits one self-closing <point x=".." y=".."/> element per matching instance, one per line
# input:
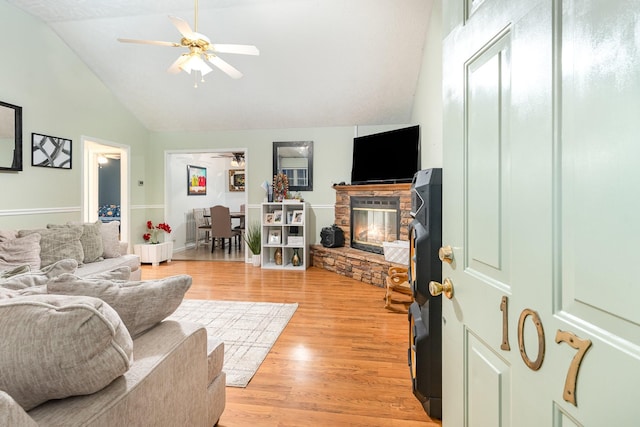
<point x="541" y="196"/>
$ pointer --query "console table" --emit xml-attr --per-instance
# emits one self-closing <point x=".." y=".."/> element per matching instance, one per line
<point x="154" y="254"/>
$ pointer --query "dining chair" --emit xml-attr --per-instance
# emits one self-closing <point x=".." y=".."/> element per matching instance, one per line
<point x="221" y="226"/>
<point x="240" y="228"/>
<point x="202" y="226"/>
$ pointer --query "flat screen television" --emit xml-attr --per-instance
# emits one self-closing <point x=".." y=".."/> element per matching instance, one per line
<point x="386" y="157"/>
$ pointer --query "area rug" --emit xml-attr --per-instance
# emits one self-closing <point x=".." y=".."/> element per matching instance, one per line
<point x="248" y="329"/>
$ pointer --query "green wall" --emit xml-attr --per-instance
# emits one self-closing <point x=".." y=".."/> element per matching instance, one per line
<point x="61" y="97"/>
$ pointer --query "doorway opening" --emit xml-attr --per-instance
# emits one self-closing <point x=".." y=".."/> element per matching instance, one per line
<point x="98" y="192"/>
<point x="220" y="167"/>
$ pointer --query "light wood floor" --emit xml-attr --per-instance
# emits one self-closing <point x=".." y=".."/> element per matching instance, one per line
<point x="341" y="360"/>
<point x="203" y="253"/>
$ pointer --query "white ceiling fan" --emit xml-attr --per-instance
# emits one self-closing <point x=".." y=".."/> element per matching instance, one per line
<point x="200" y="48"/>
<point x="237" y="159"/>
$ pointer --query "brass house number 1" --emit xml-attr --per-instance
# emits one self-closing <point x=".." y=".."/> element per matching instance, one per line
<point x="582" y="345"/>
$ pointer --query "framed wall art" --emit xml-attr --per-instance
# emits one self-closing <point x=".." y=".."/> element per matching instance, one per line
<point x="196" y="181"/>
<point x="50" y="151"/>
<point x="236" y="180"/>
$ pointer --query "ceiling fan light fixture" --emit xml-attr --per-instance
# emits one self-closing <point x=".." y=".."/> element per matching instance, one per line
<point x="195" y="63"/>
<point x="238" y="160"/>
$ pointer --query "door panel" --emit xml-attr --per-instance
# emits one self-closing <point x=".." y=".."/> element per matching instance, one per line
<point x="488" y="381"/>
<point x="600" y="153"/>
<point x="541" y="102"/>
<point x="487" y="92"/>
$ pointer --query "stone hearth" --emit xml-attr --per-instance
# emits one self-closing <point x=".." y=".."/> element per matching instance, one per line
<point x="360" y="265"/>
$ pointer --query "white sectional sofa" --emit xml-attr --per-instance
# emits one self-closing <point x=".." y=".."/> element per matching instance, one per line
<point x="95" y="246"/>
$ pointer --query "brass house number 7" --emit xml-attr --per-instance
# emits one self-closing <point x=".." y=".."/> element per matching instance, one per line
<point x="582" y="345"/>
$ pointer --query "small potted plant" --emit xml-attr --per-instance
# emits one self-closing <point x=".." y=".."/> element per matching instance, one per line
<point x="253" y="238"/>
<point x="151" y="236"/>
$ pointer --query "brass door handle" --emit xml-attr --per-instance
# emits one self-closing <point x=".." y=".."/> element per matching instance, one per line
<point x="446" y="254"/>
<point x="445" y="288"/>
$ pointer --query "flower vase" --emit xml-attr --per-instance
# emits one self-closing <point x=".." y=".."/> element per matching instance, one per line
<point x="295" y="259"/>
<point x="277" y="256"/>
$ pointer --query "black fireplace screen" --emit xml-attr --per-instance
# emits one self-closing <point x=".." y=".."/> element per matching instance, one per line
<point x="374" y="220"/>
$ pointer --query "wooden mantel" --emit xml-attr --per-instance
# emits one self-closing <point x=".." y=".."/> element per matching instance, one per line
<point x="373" y="187"/>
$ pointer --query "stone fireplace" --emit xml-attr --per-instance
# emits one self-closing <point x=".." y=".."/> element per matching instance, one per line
<point x="358" y="264"/>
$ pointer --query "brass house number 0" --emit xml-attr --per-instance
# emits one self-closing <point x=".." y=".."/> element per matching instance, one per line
<point x="582" y="345"/>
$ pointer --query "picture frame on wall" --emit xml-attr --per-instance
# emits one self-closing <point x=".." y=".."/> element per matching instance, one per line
<point x="275" y="237"/>
<point x="50" y="151"/>
<point x="236" y="180"/>
<point x="196" y="180"/>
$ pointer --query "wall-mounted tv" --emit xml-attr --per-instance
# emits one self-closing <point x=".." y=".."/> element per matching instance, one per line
<point x="386" y="157"/>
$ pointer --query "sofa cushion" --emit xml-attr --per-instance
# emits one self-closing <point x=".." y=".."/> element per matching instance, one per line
<point x="12" y="414"/>
<point x="119" y="273"/>
<point x="110" y="239"/>
<point x="25" y="268"/>
<point x="39" y="277"/>
<point x="91" y="239"/>
<point x="20" y="251"/>
<point x="107" y="264"/>
<point x="58" y="243"/>
<point x="140" y="304"/>
<point x="57" y="346"/>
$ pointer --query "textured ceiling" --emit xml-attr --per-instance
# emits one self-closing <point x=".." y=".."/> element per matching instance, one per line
<point x="322" y="62"/>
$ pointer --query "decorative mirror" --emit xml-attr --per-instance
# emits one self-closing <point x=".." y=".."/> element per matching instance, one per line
<point x="295" y="159"/>
<point x="10" y="137"/>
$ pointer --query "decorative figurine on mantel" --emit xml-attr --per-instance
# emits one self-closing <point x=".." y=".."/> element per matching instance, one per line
<point x="280" y="187"/>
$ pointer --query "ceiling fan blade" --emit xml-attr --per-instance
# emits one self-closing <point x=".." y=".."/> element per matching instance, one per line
<point x="242" y="49"/>
<point x="175" y="68"/>
<point x="183" y="27"/>
<point x="224" y="66"/>
<point x="154" y="42"/>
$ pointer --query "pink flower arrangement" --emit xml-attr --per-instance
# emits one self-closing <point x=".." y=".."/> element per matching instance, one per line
<point x="152" y="235"/>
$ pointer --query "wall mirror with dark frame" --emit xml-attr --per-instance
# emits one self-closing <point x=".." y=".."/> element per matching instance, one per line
<point x="10" y="137"/>
<point x="294" y="159"/>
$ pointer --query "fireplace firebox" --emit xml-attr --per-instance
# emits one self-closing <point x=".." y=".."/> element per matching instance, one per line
<point x="374" y="220"/>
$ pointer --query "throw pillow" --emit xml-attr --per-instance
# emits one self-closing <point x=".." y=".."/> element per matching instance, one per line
<point x="120" y="273"/>
<point x="57" y="346"/>
<point x="39" y="277"/>
<point x="21" y="251"/>
<point x="141" y="304"/>
<point x="6" y="293"/>
<point x="58" y="243"/>
<point x="111" y="239"/>
<point x="8" y="235"/>
<point x="91" y="239"/>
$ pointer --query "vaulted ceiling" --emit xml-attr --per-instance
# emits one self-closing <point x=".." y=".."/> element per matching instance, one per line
<point x="321" y="63"/>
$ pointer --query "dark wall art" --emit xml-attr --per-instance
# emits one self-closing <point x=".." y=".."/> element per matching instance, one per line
<point x="50" y="151"/>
